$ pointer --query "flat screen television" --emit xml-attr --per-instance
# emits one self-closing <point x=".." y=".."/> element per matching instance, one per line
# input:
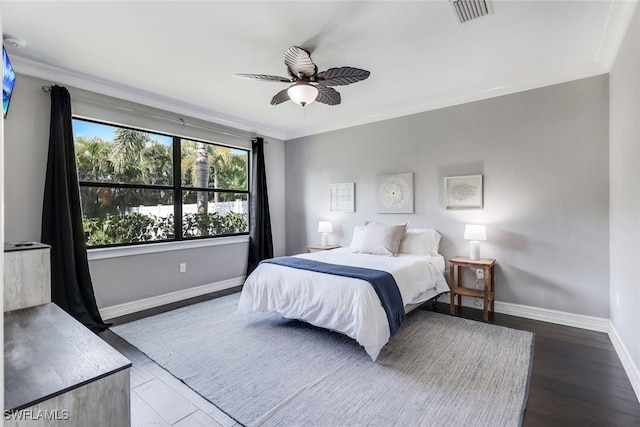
<point x="8" y="80"/>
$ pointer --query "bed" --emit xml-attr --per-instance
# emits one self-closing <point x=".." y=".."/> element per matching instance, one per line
<point x="346" y="304"/>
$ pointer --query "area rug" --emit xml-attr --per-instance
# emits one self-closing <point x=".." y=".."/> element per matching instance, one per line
<point x="262" y="369"/>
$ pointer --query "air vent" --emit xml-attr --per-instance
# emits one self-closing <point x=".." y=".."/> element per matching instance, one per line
<point x="466" y="10"/>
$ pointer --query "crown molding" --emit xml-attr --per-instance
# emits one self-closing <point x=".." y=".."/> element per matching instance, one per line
<point x="85" y="82"/>
<point x="535" y="82"/>
<point x="622" y="12"/>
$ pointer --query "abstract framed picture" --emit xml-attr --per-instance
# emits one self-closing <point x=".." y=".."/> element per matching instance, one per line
<point x="342" y="197"/>
<point x="395" y="193"/>
<point x="463" y="192"/>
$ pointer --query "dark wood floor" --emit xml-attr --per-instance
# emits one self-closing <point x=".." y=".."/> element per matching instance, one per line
<point x="577" y="378"/>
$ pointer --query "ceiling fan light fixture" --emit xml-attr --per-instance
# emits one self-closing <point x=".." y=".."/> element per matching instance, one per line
<point x="302" y="93"/>
<point x="302" y="71"/>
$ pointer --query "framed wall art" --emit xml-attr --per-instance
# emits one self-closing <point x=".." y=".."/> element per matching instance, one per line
<point x="463" y="192"/>
<point x="342" y="197"/>
<point x="395" y="193"/>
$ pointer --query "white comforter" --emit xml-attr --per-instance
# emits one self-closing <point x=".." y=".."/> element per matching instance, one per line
<point x="342" y="304"/>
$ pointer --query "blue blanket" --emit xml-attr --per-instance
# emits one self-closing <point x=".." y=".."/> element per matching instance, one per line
<point x="382" y="282"/>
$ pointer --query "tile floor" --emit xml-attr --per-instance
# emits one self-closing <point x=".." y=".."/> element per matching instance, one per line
<point x="160" y="399"/>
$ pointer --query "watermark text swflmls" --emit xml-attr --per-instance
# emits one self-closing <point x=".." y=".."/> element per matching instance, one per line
<point x="37" y="414"/>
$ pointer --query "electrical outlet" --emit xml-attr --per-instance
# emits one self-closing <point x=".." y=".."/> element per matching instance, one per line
<point x="479" y="273"/>
<point x="183" y="267"/>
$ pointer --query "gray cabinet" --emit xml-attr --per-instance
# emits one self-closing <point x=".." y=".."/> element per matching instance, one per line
<point x="56" y="371"/>
<point x="27" y="275"/>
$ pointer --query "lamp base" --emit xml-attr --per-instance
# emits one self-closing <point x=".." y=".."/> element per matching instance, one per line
<point x="474" y="250"/>
<point x="325" y="239"/>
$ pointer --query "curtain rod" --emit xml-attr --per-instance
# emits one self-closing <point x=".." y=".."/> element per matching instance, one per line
<point x="180" y="120"/>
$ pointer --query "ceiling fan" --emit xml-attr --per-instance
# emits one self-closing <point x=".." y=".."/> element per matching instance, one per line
<point x="308" y="84"/>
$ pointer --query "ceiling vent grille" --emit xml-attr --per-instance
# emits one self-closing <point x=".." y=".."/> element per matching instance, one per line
<point x="467" y="10"/>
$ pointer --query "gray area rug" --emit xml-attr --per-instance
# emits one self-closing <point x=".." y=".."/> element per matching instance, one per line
<point x="262" y="369"/>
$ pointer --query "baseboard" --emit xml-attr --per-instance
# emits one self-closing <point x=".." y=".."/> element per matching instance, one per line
<point x="152" y="302"/>
<point x="632" y="370"/>
<point x="581" y="321"/>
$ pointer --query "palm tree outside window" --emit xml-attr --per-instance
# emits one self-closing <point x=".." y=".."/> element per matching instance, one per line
<point x="143" y="187"/>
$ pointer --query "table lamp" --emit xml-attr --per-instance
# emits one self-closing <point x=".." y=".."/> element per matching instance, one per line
<point x="325" y="228"/>
<point x="474" y="233"/>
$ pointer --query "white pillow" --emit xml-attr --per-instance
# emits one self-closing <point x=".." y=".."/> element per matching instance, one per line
<point x="420" y="241"/>
<point x="358" y="235"/>
<point x="382" y="239"/>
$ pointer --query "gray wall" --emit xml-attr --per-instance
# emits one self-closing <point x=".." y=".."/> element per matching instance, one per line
<point x="544" y="157"/>
<point x="124" y="279"/>
<point x="625" y="195"/>
<point x="543" y="154"/>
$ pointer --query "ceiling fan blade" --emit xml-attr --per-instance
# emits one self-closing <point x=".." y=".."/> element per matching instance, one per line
<point x="264" y="77"/>
<point x="280" y="97"/>
<point x="328" y="95"/>
<point x="342" y="76"/>
<point x="299" y="62"/>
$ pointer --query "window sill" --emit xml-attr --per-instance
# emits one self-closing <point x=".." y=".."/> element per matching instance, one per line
<point x="104" y="253"/>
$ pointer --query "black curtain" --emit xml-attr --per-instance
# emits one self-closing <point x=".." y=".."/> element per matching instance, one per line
<point x="260" y="240"/>
<point x="71" y="287"/>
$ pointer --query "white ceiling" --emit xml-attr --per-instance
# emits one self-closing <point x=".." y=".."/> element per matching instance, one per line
<point x="181" y="55"/>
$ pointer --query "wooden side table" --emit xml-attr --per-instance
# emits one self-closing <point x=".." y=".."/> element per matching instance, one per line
<point x="487" y="294"/>
<point x="318" y="248"/>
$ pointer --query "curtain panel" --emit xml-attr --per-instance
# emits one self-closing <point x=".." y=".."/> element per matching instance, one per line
<point x="260" y="239"/>
<point x="71" y="286"/>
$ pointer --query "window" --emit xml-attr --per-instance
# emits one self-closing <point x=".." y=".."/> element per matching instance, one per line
<point x="140" y="187"/>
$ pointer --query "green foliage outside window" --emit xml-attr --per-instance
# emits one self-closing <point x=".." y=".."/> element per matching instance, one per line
<point x="135" y="227"/>
<point x="211" y="224"/>
<point x="127" y="184"/>
<point x="129" y="228"/>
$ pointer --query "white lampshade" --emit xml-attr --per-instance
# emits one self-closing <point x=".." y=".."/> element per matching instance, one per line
<point x="325" y="227"/>
<point x="302" y="93"/>
<point x="475" y="233"/>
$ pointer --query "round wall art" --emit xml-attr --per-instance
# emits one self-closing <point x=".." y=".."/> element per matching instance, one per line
<point x="395" y="193"/>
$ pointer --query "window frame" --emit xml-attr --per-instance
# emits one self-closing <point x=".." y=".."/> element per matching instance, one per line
<point x="177" y="188"/>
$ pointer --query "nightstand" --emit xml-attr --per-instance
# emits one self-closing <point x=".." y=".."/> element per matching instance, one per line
<point x="487" y="294"/>
<point x="318" y="248"/>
